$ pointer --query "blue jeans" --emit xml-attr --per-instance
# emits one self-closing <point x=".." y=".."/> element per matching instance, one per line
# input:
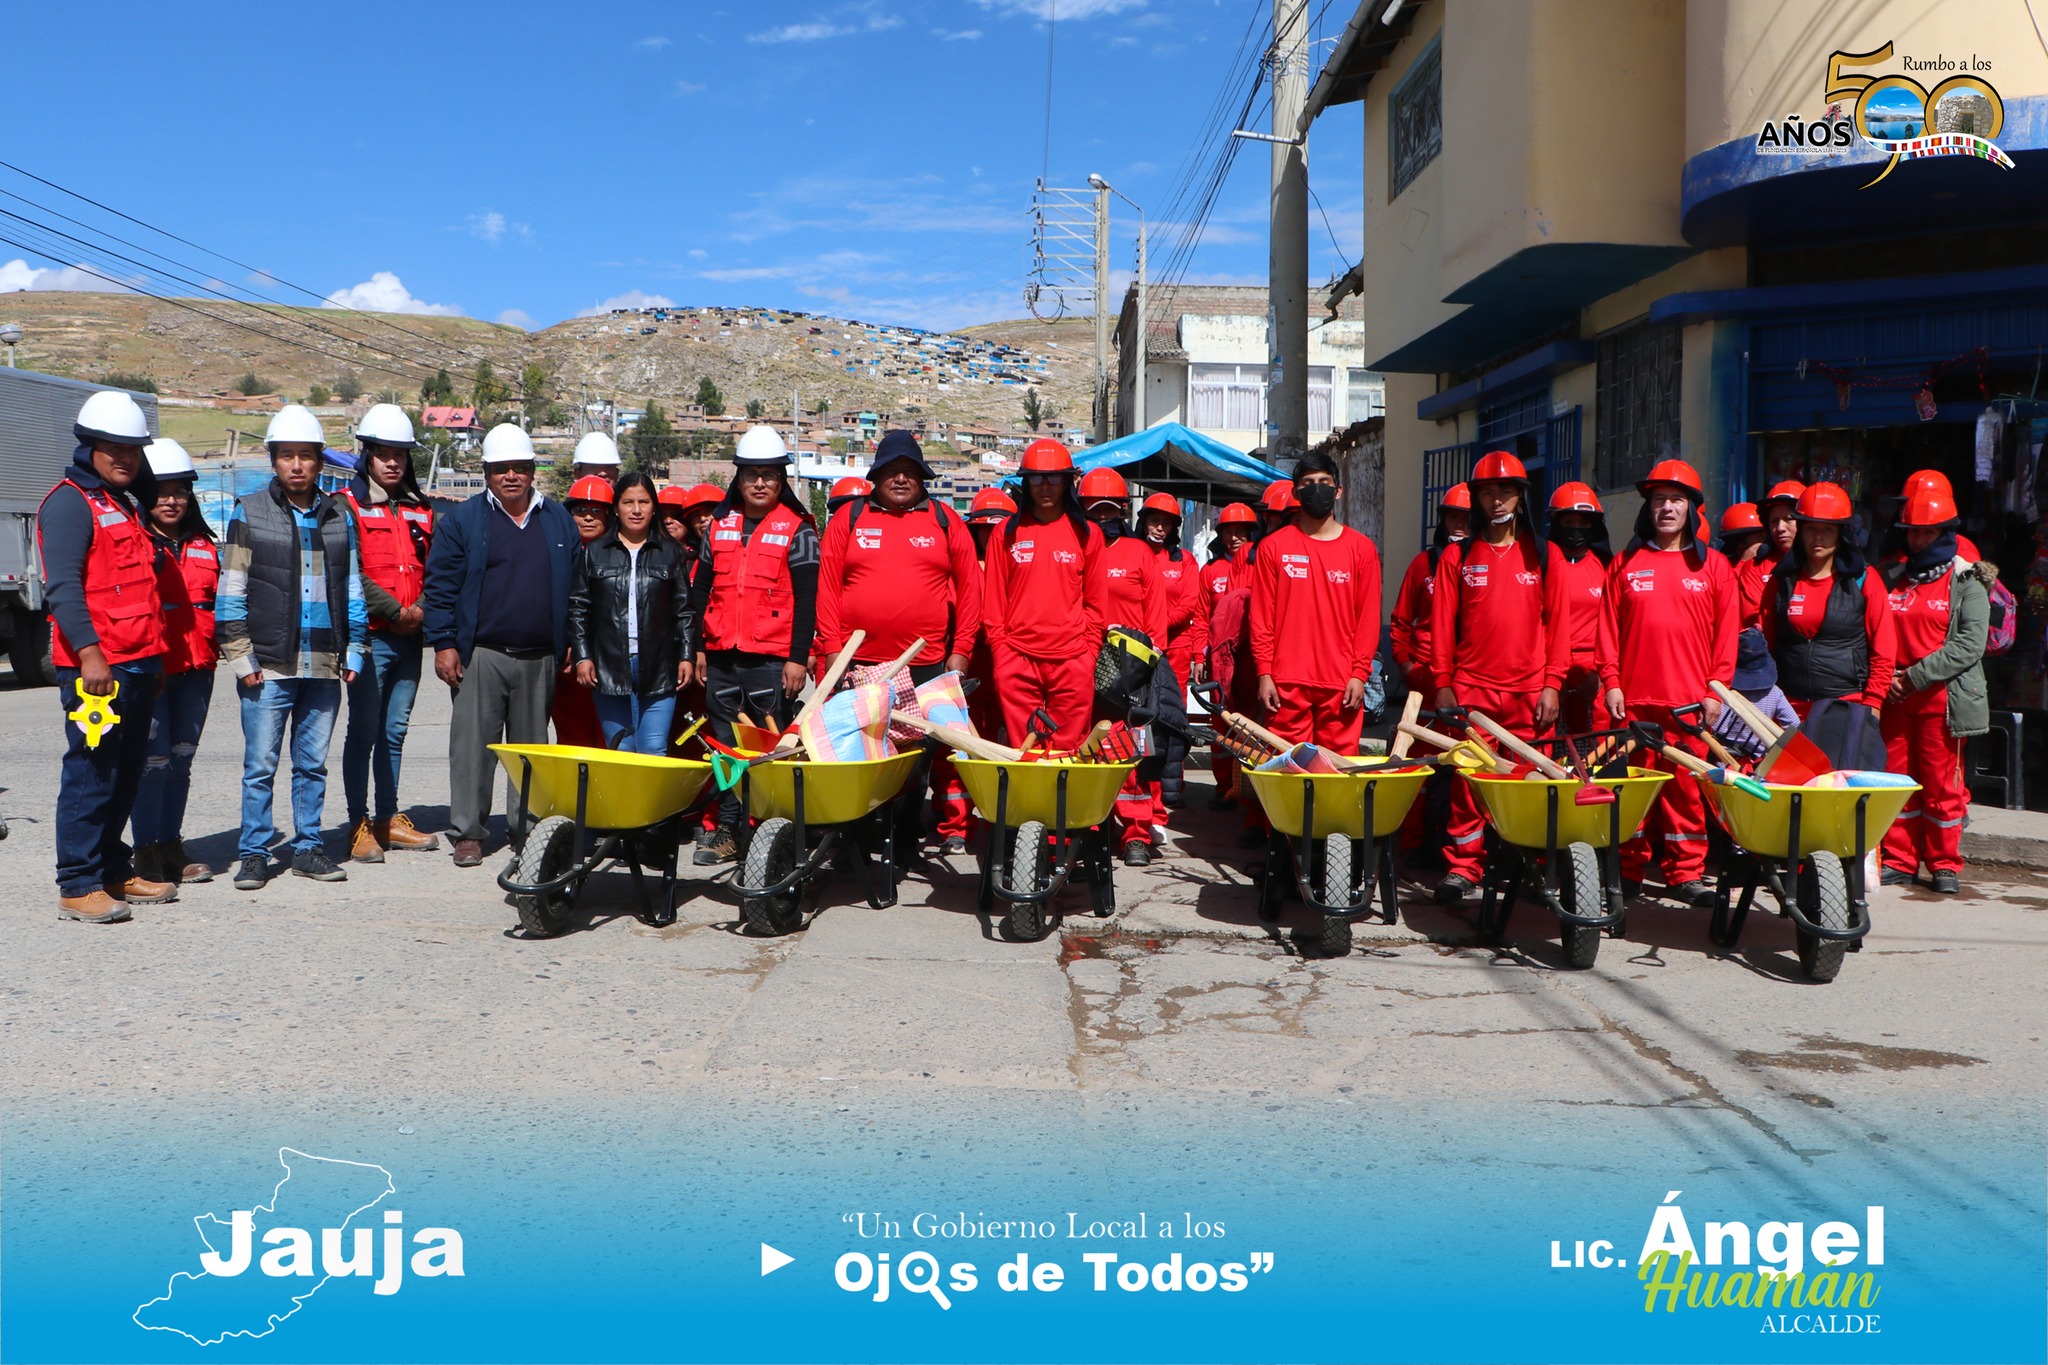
<point x="632" y="722"/>
<point x="310" y="705"/>
<point x="96" y="787"/>
<point x="379" y="710"/>
<point x="174" y="732"/>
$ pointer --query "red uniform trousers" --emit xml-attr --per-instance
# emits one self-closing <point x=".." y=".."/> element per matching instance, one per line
<point x="1578" y="701"/>
<point x="1676" y="827"/>
<point x="1930" y="829"/>
<point x="1064" y="687"/>
<point x="1316" y="715"/>
<point x="1465" y="854"/>
<point x="575" y="714"/>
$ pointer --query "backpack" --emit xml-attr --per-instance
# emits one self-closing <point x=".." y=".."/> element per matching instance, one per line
<point x="2005" y="618"/>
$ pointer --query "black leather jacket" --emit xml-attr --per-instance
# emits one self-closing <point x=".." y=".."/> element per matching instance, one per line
<point x="597" y="614"/>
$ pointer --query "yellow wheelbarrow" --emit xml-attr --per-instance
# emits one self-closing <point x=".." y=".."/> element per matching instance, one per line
<point x="582" y="809"/>
<point x="1807" y="845"/>
<point x="808" y="810"/>
<point x="1543" y="845"/>
<point x="1045" y="822"/>
<point x="1331" y="833"/>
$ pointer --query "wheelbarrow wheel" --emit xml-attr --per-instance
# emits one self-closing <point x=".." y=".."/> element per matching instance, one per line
<point x="771" y="856"/>
<point x="550" y="846"/>
<point x="1578" y="886"/>
<point x="1336" y="890"/>
<point x="1824" y="899"/>
<point x="1025" y="920"/>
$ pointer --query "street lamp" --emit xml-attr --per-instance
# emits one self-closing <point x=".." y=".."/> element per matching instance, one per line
<point x="1098" y="184"/>
<point x="10" y="337"/>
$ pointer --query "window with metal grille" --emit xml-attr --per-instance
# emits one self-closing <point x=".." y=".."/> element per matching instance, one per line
<point x="1415" y="120"/>
<point x="1638" y="404"/>
<point x="1365" y="395"/>
<point x="1320" y="419"/>
<point x="1227" y="397"/>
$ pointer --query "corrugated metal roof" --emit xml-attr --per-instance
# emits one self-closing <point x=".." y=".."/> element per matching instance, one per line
<point x="36" y="413"/>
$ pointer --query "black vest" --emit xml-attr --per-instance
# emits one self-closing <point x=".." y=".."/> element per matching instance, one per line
<point x="274" y="579"/>
<point x="1836" y="661"/>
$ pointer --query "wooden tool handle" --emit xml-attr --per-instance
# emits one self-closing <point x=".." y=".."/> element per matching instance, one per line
<point x="1534" y="757"/>
<point x="966" y="741"/>
<point x="1762" y="771"/>
<point x="1092" y="743"/>
<point x="1756" y="720"/>
<point x="1403" y="741"/>
<point x="823" y="690"/>
<point x="1692" y="763"/>
<point x="1720" y="752"/>
<point x="903" y="660"/>
<point x="1258" y="732"/>
<point x="1411" y="731"/>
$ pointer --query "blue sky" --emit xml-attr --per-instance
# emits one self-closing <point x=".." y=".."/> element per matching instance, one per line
<point x="527" y="162"/>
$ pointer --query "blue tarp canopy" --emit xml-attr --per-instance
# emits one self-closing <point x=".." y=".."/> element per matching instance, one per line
<point x="1171" y="458"/>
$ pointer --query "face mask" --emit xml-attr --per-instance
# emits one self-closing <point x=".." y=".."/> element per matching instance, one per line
<point x="1317" y="499"/>
<point x="1574" y="537"/>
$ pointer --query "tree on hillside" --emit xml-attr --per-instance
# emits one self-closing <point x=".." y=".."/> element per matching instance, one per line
<point x="824" y="406"/>
<point x="1037" y="410"/>
<point x="348" y="386"/>
<point x="534" y="383"/>
<point x="654" y="441"/>
<point x="709" y="398"/>
<point x="317" y="396"/>
<point x="755" y="407"/>
<point x="389" y="395"/>
<point x="438" y="392"/>
<point x="485" y="389"/>
<point x="250" y="386"/>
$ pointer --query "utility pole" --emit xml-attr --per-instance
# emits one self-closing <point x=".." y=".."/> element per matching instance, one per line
<point x="1102" y="312"/>
<point x="1287" y="280"/>
<point x="1138" y="407"/>
<point x="796" y="422"/>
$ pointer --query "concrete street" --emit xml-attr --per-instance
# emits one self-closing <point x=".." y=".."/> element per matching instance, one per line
<point x="402" y="984"/>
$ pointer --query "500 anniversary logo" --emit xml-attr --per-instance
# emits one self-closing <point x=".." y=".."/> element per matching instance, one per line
<point x="1894" y="113"/>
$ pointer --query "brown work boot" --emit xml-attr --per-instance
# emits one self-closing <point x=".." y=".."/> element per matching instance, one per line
<point x="95" y="907"/>
<point x="142" y="891"/>
<point x="398" y="835"/>
<point x="363" y="845"/>
<point x="178" y="867"/>
<point x="468" y="853"/>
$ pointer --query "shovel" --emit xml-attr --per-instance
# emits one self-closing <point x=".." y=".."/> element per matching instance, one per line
<point x="1651" y="737"/>
<point x="1796" y="759"/>
<point x="1586" y="794"/>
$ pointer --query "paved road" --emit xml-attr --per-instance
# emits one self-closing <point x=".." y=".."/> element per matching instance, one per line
<point x="406" y="982"/>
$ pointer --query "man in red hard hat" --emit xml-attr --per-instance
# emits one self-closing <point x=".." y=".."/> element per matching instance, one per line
<point x="1500" y="637"/>
<point x="1578" y="528"/>
<point x="1778" y="513"/>
<point x="1046" y="601"/>
<point x="1412" y="604"/>
<point x="1187" y="624"/>
<point x="1742" y="533"/>
<point x="1235" y="526"/>
<point x="1315" y="616"/>
<point x="1135" y="598"/>
<point x="1672" y="617"/>
<point x="1925" y="481"/>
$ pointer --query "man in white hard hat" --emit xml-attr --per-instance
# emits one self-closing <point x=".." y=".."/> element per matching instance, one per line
<point x="596" y="454"/>
<point x="497" y="619"/>
<point x="292" y="638"/>
<point x="755" y="596"/>
<point x="107" y="641"/>
<point x="394" y="527"/>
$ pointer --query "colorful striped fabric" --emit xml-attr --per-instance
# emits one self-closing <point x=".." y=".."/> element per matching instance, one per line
<point x="851" y="725"/>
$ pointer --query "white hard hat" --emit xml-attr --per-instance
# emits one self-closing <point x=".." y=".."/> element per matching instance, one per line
<point x="761" y="445"/>
<point x="113" y="416"/>
<point x="387" y="425"/>
<point x="597" y="448"/>
<point x="168" y="460"/>
<point x="506" y="443"/>
<point x="294" y="423"/>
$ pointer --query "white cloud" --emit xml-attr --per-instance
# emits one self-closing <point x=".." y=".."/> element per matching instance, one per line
<point x="632" y="298"/>
<point x="489" y="225"/>
<point x="261" y="279"/>
<point x="871" y="21"/>
<point x="1066" y="11"/>
<point x="697" y="253"/>
<point x="516" y="317"/>
<point x="384" y="292"/>
<point x="965" y="35"/>
<point x="18" y="275"/>
<point x="654" y="44"/>
<point x="688" y="88"/>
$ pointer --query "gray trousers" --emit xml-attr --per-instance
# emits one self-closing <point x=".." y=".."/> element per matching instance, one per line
<point x="502" y="699"/>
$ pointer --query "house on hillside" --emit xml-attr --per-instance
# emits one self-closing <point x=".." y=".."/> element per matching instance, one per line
<point x="461" y="423"/>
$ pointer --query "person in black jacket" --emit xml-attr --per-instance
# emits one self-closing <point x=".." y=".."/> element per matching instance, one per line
<point x="630" y="623"/>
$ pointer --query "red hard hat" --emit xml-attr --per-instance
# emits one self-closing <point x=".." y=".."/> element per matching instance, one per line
<point x="1928" y="480"/>
<point x="1498" y="465"/>
<point x="591" y="488"/>
<point x="1788" y="491"/>
<point x="1741" y="517"/>
<point x="1575" y="497"/>
<point x="1102" y="483"/>
<point x="991" y="504"/>
<point x="1458" y="495"/>
<point x="1673" y="471"/>
<point x="1047" y="456"/>
<point x="1166" y="504"/>
<point x="1825" y="502"/>
<point x="673" y="495"/>
<point x="1237" y="514"/>
<point x="1928" y="508"/>
<point x="1279" y="496"/>
<point x="704" y="495"/>
<point x="852" y="486"/>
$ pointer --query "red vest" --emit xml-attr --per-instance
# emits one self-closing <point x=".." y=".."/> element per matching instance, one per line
<point x="120" y="584"/>
<point x="187" y="577"/>
<point x="386" y="545"/>
<point x="753" y="602"/>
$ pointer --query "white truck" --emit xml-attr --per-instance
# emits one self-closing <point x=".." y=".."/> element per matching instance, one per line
<point x="36" y="411"/>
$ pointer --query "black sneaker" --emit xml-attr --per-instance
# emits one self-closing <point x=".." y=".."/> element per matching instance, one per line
<point x="705" y="837"/>
<point x="723" y="848"/>
<point x="316" y="864"/>
<point x="252" y="874"/>
<point x="1893" y="876"/>
<point x="1696" y="893"/>
<point x="1452" y="890"/>
<point x="954" y="844"/>
<point x="1948" y="883"/>
<point x="1137" y="853"/>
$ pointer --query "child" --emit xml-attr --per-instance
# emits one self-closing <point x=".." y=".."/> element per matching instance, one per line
<point x="1756" y="678"/>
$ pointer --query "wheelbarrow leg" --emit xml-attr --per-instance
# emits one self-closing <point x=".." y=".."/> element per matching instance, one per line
<point x="665" y="910"/>
<point x="1390" y="903"/>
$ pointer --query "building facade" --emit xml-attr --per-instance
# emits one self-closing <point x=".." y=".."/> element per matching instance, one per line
<point x="1603" y="232"/>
